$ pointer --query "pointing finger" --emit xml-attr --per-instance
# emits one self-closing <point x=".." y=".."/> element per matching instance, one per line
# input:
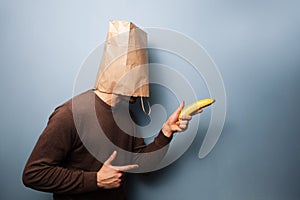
<point x="126" y="167"/>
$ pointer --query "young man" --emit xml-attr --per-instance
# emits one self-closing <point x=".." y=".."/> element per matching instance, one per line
<point x="90" y="141"/>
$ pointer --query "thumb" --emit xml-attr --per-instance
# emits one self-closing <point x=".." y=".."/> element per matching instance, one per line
<point x="174" y="117"/>
<point x="111" y="158"/>
<point x="179" y="109"/>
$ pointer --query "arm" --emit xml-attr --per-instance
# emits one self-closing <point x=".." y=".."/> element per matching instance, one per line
<point x="149" y="156"/>
<point x="45" y="169"/>
<point x="110" y="176"/>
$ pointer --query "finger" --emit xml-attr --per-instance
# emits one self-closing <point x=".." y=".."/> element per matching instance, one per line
<point x="199" y="111"/>
<point x="126" y="167"/>
<point x="109" y="180"/>
<point x="112" y="185"/>
<point x="115" y="185"/>
<point x="111" y="158"/>
<point x="115" y="178"/>
<point x="176" y="128"/>
<point x="181" y="122"/>
<point x="180" y="107"/>
<point x="184" y="122"/>
<point x="183" y="126"/>
<point x="186" y="117"/>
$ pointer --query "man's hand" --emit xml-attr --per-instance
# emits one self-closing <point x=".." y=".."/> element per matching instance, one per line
<point x="172" y="125"/>
<point x="109" y="176"/>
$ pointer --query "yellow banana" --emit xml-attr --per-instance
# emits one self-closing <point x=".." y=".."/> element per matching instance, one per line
<point x="195" y="106"/>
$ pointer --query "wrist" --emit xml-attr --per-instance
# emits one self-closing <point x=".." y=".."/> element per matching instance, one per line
<point x="166" y="130"/>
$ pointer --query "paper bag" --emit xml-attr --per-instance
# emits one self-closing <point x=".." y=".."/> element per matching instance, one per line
<point x="124" y="65"/>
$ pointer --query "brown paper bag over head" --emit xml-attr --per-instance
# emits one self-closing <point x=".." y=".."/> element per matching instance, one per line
<point x="124" y="65"/>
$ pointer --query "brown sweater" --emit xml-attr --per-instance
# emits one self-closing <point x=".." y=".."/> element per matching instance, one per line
<point x="60" y="162"/>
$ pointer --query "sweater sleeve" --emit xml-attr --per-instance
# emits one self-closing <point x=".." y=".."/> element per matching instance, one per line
<point x="45" y="169"/>
<point x="149" y="156"/>
<point x="159" y="142"/>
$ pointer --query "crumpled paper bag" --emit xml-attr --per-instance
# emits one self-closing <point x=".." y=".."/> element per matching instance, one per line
<point x="124" y="65"/>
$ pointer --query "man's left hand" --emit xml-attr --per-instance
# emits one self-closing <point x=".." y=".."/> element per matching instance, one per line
<point x="173" y="125"/>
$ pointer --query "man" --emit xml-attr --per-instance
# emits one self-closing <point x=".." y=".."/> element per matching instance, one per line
<point x="75" y="156"/>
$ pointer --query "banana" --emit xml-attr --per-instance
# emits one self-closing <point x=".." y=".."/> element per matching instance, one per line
<point x="195" y="106"/>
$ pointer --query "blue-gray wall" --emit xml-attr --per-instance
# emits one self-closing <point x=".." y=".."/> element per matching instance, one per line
<point x="255" y="44"/>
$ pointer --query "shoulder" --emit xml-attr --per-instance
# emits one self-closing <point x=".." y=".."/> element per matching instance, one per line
<point x="78" y="102"/>
<point x="64" y="113"/>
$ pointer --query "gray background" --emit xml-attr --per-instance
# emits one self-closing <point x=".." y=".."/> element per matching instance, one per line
<point x="255" y="44"/>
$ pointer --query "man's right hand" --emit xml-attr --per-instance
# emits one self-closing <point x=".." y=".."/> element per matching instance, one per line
<point x="109" y="176"/>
